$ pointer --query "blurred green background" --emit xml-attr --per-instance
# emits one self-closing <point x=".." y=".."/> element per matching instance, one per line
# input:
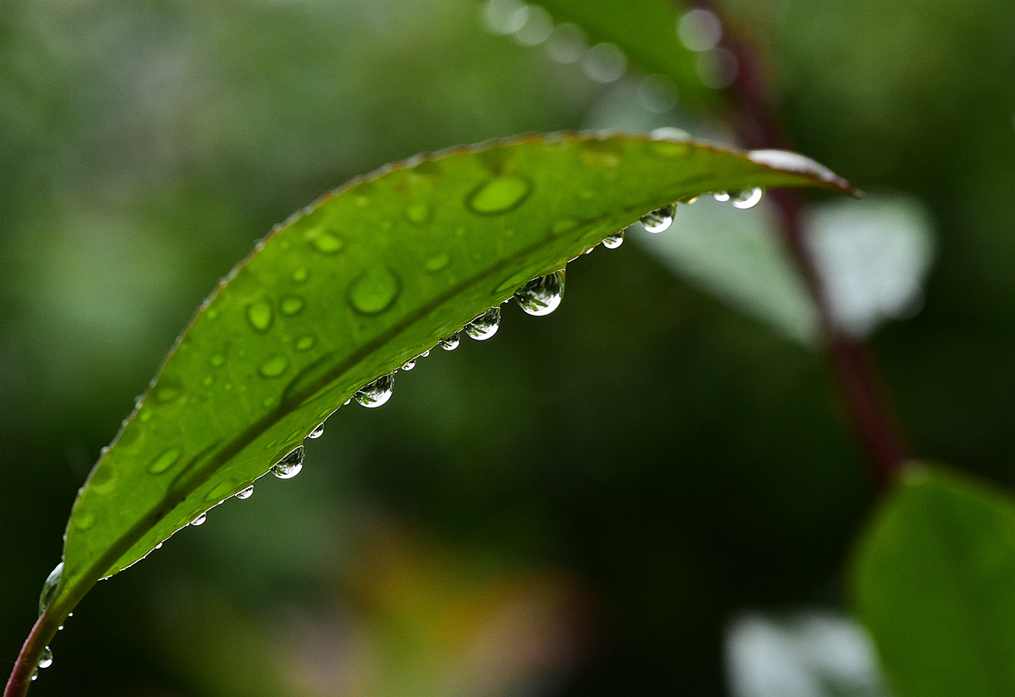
<point x="610" y="499"/>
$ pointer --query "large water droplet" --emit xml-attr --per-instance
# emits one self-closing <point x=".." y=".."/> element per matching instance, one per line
<point x="484" y="326"/>
<point x="291" y="305"/>
<point x="747" y="199"/>
<point x="274" y="366"/>
<point x="316" y="433"/>
<point x="376" y="393"/>
<point x="615" y="240"/>
<point x="200" y="520"/>
<point x="325" y="242"/>
<point x="290" y="465"/>
<point x="409" y="365"/>
<point x="246" y="493"/>
<point x="450" y="343"/>
<point x="499" y="195"/>
<point x="46" y="658"/>
<point x="374" y="291"/>
<point x="164" y="461"/>
<point x="49" y="587"/>
<point x="260" y="316"/>
<point x="659" y="220"/>
<point x="542" y="295"/>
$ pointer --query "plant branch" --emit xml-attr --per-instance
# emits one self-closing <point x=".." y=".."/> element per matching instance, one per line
<point x="28" y="659"/>
<point x="862" y="391"/>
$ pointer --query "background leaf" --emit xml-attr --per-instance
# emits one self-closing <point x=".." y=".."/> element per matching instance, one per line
<point x="933" y="585"/>
<point x="347" y="291"/>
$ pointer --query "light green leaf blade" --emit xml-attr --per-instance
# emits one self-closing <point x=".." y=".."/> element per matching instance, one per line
<point x="346" y="291"/>
<point x="935" y="584"/>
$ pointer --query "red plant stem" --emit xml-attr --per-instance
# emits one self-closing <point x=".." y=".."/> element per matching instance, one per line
<point x="28" y="658"/>
<point x="862" y="391"/>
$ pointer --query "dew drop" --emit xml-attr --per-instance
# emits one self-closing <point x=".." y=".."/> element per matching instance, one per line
<point x="409" y="365"/>
<point x="260" y="316"/>
<point x="745" y="200"/>
<point x="245" y="493"/>
<point x="450" y="343"/>
<point x="316" y="433"/>
<point x="721" y="196"/>
<point x="305" y="342"/>
<point x="425" y="354"/>
<point x="159" y="545"/>
<point x="659" y="220"/>
<point x="217" y="360"/>
<point x="499" y="195"/>
<point x="291" y="305"/>
<point x="290" y="465"/>
<point x="274" y="366"/>
<point x="376" y="393"/>
<point x="484" y="326"/>
<point x="167" y="393"/>
<point x="418" y="213"/>
<point x="164" y="461"/>
<point x="325" y="242"/>
<point x="542" y="295"/>
<point x="301" y="275"/>
<point x="46" y="658"/>
<point x="374" y="291"/>
<point x="438" y="262"/>
<point x="84" y="521"/>
<point x="615" y="240"/>
<point x="49" y="587"/>
<point x="200" y="520"/>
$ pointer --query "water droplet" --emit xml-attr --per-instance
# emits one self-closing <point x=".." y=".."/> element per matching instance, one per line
<point x="200" y="520"/>
<point x="450" y="343"/>
<point x="659" y="220"/>
<point x="325" y="242"/>
<point x="291" y="305"/>
<point x="159" y="545"/>
<point x="260" y="316"/>
<point x="418" y="213"/>
<point x="301" y="274"/>
<point x="217" y="360"/>
<point x="499" y="195"/>
<point x="290" y="465"/>
<point x="167" y="393"/>
<point x="437" y="262"/>
<point x="542" y="295"/>
<point x="376" y="393"/>
<point x="163" y="462"/>
<point x="274" y="366"/>
<point x="409" y="365"/>
<point x="305" y="342"/>
<point x="246" y="493"/>
<point x="747" y="199"/>
<point x="84" y="521"/>
<point x="49" y="587"/>
<point x="484" y="326"/>
<point x="46" y="658"/>
<point x="721" y="196"/>
<point x="374" y="291"/>
<point x="425" y="354"/>
<point x="615" y="240"/>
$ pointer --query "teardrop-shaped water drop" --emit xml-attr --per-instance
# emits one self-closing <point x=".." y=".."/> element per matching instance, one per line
<point x="46" y="658"/>
<point x="542" y="295"/>
<point x="376" y="393"/>
<point x="200" y="520"/>
<point x="49" y="587"/>
<point x="246" y="493"/>
<point x="409" y="365"/>
<point x="159" y="545"/>
<point x="425" y="354"/>
<point x="484" y="326"/>
<point x="721" y="196"/>
<point x="615" y="240"/>
<point x="450" y="343"/>
<point x="290" y="465"/>
<point x="316" y="433"/>
<point x="659" y="220"/>
<point x="748" y="198"/>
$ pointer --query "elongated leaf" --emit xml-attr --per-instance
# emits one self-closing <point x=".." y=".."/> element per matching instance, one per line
<point x="935" y="584"/>
<point x="344" y="292"/>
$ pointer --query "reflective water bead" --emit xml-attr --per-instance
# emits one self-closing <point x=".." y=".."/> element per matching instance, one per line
<point x="290" y="465"/>
<point x="46" y="658"/>
<point x="246" y="493"/>
<point x="484" y="326"/>
<point x="200" y="520"/>
<point x="542" y="295"/>
<point x="316" y="433"/>
<point x="376" y="393"/>
<point x="721" y="196"/>
<point x="615" y="240"/>
<point x="409" y="365"/>
<point x="745" y="200"/>
<point x="659" y="220"/>
<point x="450" y="343"/>
<point x="49" y="587"/>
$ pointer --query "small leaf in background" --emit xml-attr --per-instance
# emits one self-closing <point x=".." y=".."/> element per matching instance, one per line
<point x="933" y="584"/>
<point x="812" y="654"/>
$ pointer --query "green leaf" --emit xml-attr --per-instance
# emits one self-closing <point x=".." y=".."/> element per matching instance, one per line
<point x="935" y="584"/>
<point x="346" y="291"/>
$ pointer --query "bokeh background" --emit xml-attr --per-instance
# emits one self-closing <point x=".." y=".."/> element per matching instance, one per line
<point x="654" y="489"/>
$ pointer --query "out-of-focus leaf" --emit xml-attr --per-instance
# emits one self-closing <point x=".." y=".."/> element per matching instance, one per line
<point x="935" y="584"/>
<point x="808" y="655"/>
<point x="344" y="293"/>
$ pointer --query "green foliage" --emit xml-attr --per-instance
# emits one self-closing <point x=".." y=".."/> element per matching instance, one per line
<point x="934" y="585"/>
<point x="344" y="293"/>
